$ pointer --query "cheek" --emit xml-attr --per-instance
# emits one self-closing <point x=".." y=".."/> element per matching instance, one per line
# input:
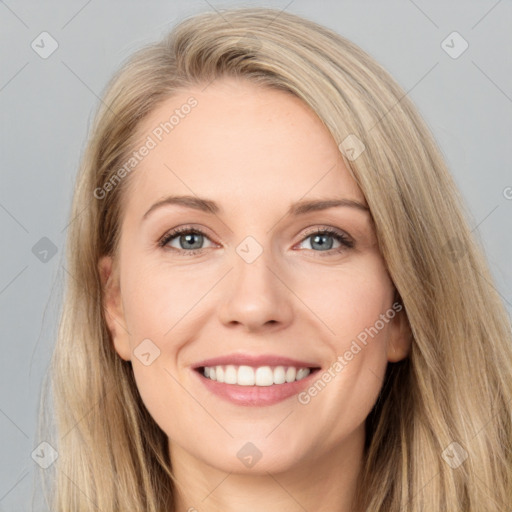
<point x="156" y="299"/>
<point x="161" y="305"/>
<point x="355" y="309"/>
<point x="348" y="299"/>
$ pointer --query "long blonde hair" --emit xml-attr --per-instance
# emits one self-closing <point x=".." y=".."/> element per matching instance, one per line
<point x="451" y="400"/>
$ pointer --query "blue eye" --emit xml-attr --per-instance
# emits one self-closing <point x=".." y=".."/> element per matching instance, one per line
<point x="322" y="239"/>
<point x="190" y="240"/>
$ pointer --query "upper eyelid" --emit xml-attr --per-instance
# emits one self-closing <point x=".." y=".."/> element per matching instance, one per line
<point x="175" y="232"/>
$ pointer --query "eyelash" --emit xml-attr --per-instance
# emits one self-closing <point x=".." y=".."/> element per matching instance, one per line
<point x="345" y="242"/>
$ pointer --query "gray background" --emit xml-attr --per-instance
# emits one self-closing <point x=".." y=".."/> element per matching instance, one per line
<point x="46" y="107"/>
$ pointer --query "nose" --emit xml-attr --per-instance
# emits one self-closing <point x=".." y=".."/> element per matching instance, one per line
<point x="256" y="296"/>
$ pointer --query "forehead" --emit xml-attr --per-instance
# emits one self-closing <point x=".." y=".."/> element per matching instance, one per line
<point x="240" y="143"/>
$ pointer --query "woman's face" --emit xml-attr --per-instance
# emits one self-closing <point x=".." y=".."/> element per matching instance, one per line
<point x="258" y="285"/>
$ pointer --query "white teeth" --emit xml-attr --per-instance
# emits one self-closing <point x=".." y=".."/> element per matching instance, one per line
<point x="230" y="375"/>
<point x="302" y="373"/>
<point x="279" y="375"/>
<point x="249" y="376"/>
<point x="245" y="376"/>
<point x="264" y="376"/>
<point x="290" y="374"/>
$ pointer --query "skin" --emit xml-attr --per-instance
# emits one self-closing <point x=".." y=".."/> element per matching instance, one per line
<point x="254" y="151"/>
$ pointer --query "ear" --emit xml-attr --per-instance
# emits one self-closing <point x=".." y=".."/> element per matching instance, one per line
<point x="113" y="307"/>
<point x="400" y="341"/>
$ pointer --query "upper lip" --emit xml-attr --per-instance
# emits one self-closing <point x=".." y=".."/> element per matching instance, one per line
<point x="255" y="361"/>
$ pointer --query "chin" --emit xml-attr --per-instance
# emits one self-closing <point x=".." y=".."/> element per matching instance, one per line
<point x="253" y="456"/>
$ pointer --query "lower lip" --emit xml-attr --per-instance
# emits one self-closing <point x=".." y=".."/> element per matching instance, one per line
<point x="255" y="395"/>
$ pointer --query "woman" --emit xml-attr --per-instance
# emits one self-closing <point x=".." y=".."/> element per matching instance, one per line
<point x="275" y="301"/>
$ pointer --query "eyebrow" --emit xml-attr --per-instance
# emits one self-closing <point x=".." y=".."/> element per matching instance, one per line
<point x="298" y="208"/>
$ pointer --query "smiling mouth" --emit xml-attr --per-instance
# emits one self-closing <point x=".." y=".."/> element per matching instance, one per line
<point x="261" y="376"/>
